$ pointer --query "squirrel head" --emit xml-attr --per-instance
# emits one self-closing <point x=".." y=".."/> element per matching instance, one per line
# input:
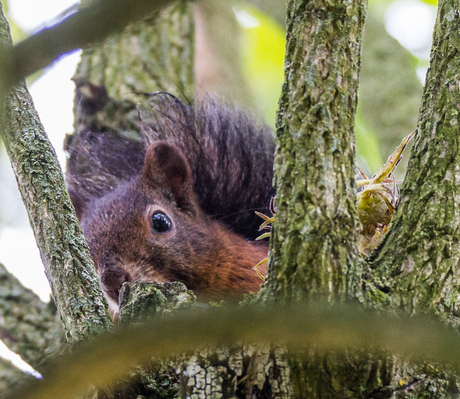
<point x="176" y="203"/>
<point x="151" y="228"/>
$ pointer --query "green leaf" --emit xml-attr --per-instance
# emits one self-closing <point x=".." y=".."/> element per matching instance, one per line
<point x="262" y="58"/>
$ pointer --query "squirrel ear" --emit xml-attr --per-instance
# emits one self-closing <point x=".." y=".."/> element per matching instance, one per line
<point x="166" y="166"/>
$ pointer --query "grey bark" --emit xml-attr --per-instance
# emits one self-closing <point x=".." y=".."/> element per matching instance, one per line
<point x="417" y="265"/>
<point x="314" y="239"/>
<point x="74" y="284"/>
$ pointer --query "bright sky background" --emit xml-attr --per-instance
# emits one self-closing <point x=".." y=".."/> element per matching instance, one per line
<point x="409" y="21"/>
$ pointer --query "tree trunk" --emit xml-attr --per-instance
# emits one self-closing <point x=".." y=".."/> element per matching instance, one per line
<point x="417" y="266"/>
<point x="314" y="240"/>
<point x="157" y="52"/>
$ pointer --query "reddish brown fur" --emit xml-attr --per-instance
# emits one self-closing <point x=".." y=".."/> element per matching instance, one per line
<point x="230" y="155"/>
<point x="198" y="251"/>
<point x="206" y="167"/>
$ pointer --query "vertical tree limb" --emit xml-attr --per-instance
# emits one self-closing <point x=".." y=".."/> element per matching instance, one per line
<point x="314" y="239"/>
<point x="418" y="262"/>
<point x="154" y="54"/>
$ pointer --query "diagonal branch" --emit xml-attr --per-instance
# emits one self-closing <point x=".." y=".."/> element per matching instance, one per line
<point x="10" y="376"/>
<point x="65" y="255"/>
<point x="90" y="24"/>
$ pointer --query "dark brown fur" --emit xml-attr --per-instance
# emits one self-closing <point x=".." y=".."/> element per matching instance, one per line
<point x="207" y="168"/>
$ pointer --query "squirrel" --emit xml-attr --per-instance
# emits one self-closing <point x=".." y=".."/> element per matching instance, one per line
<point x="177" y="205"/>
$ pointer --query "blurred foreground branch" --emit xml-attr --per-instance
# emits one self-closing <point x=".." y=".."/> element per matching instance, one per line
<point x="303" y="326"/>
<point x="90" y="24"/>
<point x="10" y="376"/>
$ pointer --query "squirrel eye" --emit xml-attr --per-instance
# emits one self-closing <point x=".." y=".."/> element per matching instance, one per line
<point x="160" y="222"/>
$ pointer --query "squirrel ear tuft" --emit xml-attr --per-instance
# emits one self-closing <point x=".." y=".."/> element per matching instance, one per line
<point x="166" y="167"/>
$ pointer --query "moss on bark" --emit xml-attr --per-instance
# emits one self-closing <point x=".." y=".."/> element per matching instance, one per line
<point x="69" y="268"/>
<point x="314" y="239"/>
<point x="417" y="265"/>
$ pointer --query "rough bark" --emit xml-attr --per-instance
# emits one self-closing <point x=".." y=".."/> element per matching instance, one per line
<point x="157" y="52"/>
<point x="209" y="372"/>
<point x="74" y="284"/>
<point x="314" y="239"/>
<point x="417" y="265"/>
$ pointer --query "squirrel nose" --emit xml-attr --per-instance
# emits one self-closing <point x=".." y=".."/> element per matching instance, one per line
<point x="112" y="280"/>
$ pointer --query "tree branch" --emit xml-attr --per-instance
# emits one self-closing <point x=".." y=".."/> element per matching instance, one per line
<point x="11" y="376"/>
<point x="302" y="327"/>
<point x="90" y="24"/>
<point x="418" y="262"/>
<point x="63" y="249"/>
<point x="314" y="239"/>
<point x="28" y="325"/>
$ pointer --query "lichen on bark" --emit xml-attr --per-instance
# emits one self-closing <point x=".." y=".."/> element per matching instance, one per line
<point x="417" y="265"/>
<point x="63" y="249"/>
<point x="314" y="239"/>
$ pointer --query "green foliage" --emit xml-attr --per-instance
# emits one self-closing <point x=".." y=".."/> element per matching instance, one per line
<point x="262" y="56"/>
<point x="367" y="146"/>
<point x="431" y="2"/>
